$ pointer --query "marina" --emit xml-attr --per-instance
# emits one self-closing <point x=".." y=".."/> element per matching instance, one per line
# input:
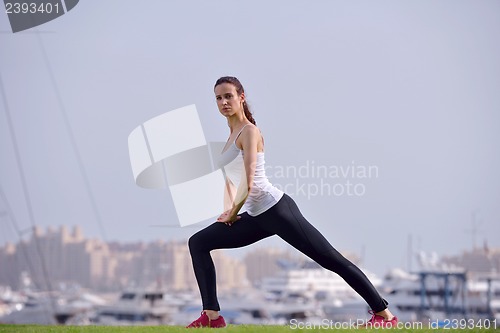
<point x="301" y="292"/>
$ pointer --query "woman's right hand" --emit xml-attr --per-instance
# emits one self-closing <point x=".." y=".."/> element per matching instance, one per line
<point x="228" y="218"/>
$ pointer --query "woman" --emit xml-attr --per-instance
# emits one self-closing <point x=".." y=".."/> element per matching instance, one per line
<point x="267" y="211"/>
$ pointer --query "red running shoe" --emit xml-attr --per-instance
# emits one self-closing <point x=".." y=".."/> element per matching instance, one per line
<point x="204" y="321"/>
<point x="377" y="321"/>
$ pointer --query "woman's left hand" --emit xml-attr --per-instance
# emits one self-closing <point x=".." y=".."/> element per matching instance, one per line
<point x="228" y="217"/>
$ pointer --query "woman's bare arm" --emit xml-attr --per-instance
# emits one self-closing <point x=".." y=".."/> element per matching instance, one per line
<point x="229" y="192"/>
<point x="249" y="140"/>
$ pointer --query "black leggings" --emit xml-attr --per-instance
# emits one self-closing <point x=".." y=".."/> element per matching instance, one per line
<point x="285" y="220"/>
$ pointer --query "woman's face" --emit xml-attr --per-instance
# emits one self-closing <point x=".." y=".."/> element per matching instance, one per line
<point x="228" y="101"/>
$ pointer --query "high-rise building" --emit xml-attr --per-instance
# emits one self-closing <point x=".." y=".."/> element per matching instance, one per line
<point x="263" y="262"/>
<point x="57" y="256"/>
<point x="60" y="256"/>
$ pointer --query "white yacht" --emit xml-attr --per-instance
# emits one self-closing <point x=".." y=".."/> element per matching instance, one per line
<point x="437" y="291"/>
<point x="137" y="307"/>
<point x="309" y="282"/>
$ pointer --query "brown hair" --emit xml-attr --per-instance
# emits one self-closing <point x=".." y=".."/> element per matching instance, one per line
<point x="239" y="89"/>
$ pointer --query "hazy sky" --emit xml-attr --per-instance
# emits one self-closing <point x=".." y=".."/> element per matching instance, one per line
<point x="409" y="88"/>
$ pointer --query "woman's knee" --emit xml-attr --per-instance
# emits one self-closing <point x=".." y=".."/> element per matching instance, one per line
<point x="203" y="241"/>
<point x="195" y="243"/>
<point x="333" y="261"/>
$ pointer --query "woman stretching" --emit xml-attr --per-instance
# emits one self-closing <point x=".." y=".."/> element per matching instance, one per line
<point x="267" y="211"/>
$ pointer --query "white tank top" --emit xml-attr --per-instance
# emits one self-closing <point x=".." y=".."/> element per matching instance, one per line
<point x="263" y="194"/>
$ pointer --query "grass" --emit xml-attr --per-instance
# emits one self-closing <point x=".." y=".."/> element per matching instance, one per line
<point x="174" y="329"/>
